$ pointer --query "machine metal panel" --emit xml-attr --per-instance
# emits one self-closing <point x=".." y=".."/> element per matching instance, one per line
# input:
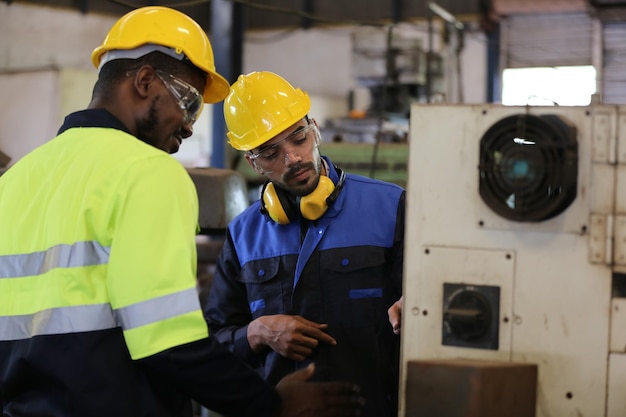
<point x="621" y="135"/>
<point x="599" y="239"/>
<point x="618" y="326"/>
<point x="463" y="388"/>
<point x="222" y="195"/>
<point x="620" y="242"/>
<point x="616" y="406"/>
<point x="620" y="193"/>
<point x="602" y="140"/>
<point x="465" y="266"/>
<point x="559" y="301"/>
<point x="602" y="188"/>
<point x="620" y="199"/>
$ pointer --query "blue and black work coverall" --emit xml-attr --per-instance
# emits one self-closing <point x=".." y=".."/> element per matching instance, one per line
<point x="344" y="269"/>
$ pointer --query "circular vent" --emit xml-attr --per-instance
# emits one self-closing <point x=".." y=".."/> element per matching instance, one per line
<point x="528" y="167"/>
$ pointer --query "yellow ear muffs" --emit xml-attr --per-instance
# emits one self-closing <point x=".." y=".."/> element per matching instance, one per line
<point x="314" y="205"/>
<point x="283" y="209"/>
<point x="274" y="204"/>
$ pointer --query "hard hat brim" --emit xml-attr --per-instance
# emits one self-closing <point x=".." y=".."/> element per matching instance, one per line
<point x="217" y="89"/>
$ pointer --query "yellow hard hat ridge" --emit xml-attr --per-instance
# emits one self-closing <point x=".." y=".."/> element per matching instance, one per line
<point x="261" y="105"/>
<point x="169" y="28"/>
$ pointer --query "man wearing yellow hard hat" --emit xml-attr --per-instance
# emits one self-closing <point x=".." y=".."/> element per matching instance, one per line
<point x="312" y="271"/>
<point x="99" y="314"/>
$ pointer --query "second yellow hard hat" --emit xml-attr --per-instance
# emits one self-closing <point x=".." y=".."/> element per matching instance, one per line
<point x="261" y="105"/>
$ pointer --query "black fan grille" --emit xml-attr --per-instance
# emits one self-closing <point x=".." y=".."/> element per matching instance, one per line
<point x="529" y="167"/>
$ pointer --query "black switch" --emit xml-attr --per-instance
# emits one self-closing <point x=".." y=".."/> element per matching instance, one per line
<point x="470" y="316"/>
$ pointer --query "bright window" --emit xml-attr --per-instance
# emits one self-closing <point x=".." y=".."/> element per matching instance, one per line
<point x="563" y="86"/>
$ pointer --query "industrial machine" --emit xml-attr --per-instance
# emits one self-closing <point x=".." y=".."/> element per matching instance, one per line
<point x="389" y="65"/>
<point x="516" y="248"/>
<point x="222" y="195"/>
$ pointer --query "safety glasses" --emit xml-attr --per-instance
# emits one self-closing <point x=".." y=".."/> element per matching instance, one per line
<point x="189" y="99"/>
<point x="275" y="156"/>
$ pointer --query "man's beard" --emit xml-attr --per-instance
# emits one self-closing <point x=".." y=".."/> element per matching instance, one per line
<point x="300" y="189"/>
<point x="147" y="127"/>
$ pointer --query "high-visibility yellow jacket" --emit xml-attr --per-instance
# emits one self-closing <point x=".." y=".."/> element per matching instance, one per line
<point x="99" y="313"/>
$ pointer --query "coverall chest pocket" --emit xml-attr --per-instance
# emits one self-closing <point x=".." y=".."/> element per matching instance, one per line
<point x="355" y="287"/>
<point x="265" y="289"/>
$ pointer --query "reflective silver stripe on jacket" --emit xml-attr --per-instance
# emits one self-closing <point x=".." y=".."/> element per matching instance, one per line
<point x="57" y="321"/>
<point x="60" y="256"/>
<point x="98" y="317"/>
<point x="84" y="318"/>
<point x="157" y="309"/>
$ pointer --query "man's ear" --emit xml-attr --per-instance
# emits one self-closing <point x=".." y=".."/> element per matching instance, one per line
<point x="144" y="77"/>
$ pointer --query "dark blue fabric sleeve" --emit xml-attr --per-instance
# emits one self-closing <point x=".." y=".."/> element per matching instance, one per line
<point x="211" y="375"/>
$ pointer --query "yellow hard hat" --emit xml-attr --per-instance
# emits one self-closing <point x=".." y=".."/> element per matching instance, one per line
<point x="261" y="105"/>
<point x="167" y="30"/>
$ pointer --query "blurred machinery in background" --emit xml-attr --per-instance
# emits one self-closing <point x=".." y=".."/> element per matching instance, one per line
<point x="222" y="195"/>
<point x="392" y="71"/>
<point x="4" y="162"/>
<point x="516" y="254"/>
<point x="390" y="68"/>
<point x="389" y="65"/>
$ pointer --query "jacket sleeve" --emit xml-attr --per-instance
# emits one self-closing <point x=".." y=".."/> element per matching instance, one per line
<point x="152" y="286"/>
<point x="150" y="223"/>
<point x="207" y="372"/>
<point x="227" y="311"/>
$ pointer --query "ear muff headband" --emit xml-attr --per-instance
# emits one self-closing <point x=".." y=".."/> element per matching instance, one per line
<point x="342" y="178"/>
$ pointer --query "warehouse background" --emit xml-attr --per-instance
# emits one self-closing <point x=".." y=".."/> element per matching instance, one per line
<point x="45" y="71"/>
<point x="563" y="271"/>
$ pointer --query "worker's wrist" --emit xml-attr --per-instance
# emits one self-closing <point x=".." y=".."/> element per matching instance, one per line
<point x="255" y="337"/>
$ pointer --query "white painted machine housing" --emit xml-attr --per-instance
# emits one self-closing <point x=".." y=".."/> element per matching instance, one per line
<point x="555" y="276"/>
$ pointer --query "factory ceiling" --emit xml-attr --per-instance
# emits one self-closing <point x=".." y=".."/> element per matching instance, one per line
<point x="280" y="14"/>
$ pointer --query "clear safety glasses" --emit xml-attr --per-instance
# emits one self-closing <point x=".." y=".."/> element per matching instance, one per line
<point x="275" y="156"/>
<point x="189" y="99"/>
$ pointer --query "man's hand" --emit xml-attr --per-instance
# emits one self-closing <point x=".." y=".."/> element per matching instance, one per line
<point x="317" y="399"/>
<point x="395" y="316"/>
<point x="293" y="337"/>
